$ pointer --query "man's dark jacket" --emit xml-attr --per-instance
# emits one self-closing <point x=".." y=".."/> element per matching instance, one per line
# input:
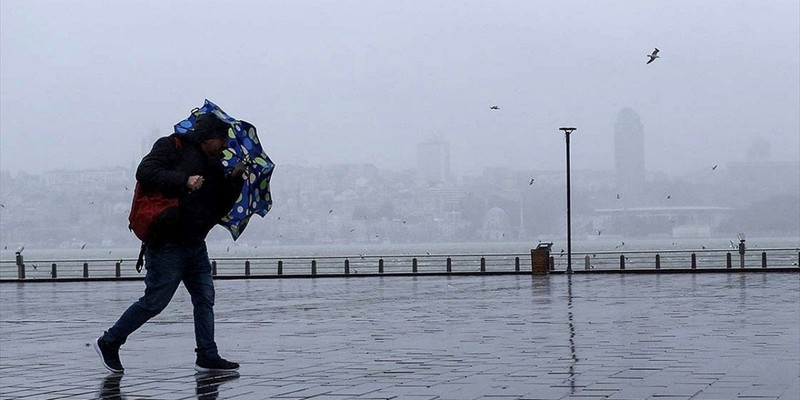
<point x="167" y="169"/>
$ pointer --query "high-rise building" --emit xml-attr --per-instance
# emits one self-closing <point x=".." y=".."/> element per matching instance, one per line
<point x="629" y="152"/>
<point x="433" y="162"/>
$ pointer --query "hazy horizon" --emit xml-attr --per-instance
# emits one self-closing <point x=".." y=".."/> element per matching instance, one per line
<point x="82" y="83"/>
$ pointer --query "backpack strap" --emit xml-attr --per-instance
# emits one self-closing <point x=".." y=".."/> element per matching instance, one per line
<point x="140" y="260"/>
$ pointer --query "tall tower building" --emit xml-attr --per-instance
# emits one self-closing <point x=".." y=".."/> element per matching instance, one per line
<point x="433" y="162"/>
<point x="629" y="152"/>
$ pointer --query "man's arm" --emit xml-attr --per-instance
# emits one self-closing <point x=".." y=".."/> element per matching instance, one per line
<point x="157" y="169"/>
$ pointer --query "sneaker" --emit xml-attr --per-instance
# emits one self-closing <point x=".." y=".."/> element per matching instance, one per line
<point x="109" y="355"/>
<point x="214" y="364"/>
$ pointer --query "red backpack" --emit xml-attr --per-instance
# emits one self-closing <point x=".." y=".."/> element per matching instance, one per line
<point x="147" y="205"/>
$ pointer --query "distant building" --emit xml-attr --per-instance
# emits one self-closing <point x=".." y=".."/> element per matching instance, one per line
<point x="88" y="177"/>
<point x="629" y="153"/>
<point x="433" y="163"/>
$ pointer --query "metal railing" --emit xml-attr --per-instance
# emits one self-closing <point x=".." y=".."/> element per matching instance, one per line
<point x="426" y="264"/>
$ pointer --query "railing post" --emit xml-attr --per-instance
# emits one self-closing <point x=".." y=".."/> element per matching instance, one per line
<point x="380" y="266"/>
<point x="214" y="268"/>
<point x="763" y="259"/>
<point x="694" y="261"/>
<point x="552" y="263"/>
<point x="117" y="269"/>
<point x="54" y="271"/>
<point x="449" y="265"/>
<point x="247" y="268"/>
<point x="728" y="261"/>
<point x="586" y="264"/>
<point x="483" y="264"/>
<point x="313" y="267"/>
<point x="85" y="269"/>
<point x="414" y="265"/>
<point x="742" y="250"/>
<point x="280" y="267"/>
<point x="658" y="261"/>
<point x="346" y="266"/>
<point x="516" y="264"/>
<point x="621" y="261"/>
<point x="20" y="266"/>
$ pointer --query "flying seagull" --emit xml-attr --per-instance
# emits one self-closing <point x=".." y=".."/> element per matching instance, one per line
<point x="494" y="108"/>
<point x="531" y="182"/>
<point x="714" y="167"/>
<point x="653" y="56"/>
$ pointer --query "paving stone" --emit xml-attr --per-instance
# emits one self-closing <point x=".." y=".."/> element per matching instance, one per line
<point x="481" y="337"/>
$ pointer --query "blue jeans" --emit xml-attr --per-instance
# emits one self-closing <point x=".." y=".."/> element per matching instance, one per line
<point x="166" y="267"/>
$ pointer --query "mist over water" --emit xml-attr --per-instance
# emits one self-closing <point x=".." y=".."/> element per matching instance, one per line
<point x="379" y="119"/>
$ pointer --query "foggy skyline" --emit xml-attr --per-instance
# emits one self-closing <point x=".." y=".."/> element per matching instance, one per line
<point x="325" y="82"/>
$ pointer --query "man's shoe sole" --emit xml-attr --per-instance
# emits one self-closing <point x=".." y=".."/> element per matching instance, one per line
<point x="201" y="369"/>
<point x="103" y="360"/>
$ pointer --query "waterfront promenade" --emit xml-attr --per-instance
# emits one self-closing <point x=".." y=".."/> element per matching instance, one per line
<point x="673" y="336"/>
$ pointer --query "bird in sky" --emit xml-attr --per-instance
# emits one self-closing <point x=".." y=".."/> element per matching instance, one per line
<point x="653" y="56"/>
<point x="714" y="167"/>
<point x="494" y="108"/>
<point x="531" y="182"/>
<point x="669" y="196"/>
<point x="599" y="232"/>
<point x="330" y="211"/>
<point x="83" y="246"/>
<point x="352" y="229"/>
<point x="617" y="196"/>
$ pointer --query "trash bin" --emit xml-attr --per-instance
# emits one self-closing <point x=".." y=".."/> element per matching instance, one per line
<point x="540" y="259"/>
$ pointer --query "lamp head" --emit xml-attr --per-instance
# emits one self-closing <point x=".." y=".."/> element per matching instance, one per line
<point x="567" y="130"/>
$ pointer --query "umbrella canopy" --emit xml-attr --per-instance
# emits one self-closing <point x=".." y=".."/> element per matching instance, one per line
<point x="242" y="146"/>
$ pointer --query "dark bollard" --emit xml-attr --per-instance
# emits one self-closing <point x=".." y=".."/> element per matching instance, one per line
<point x="728" y="261"/>
<point x="587" y="264"/>
<point x="117" y="269"/>
<point x="621" y="261"/>
<point x="280" y="267"/>
<point x="449" y="265"/>
<point x="85" y="270"/>
<point x="551" y="263"/>
<point x="414" y="265"/>
<point x="483" y="264"/>
<point x="346" y="266"/>
<point x="516" y="264"/>
<point x="54" y="272"/>
<point x="658" y="261"/>
<point x="313" y="267"/>
<point x="247" y="268"/>
<point x="694" y="261"/>
<point x="214" y="268"/>
<point x="20" y="266"/>
<point x="380" y="266"/>
<point x="763" y="259"/>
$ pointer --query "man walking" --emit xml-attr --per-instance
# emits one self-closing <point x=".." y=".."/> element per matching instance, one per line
<point x="186" y="167"/>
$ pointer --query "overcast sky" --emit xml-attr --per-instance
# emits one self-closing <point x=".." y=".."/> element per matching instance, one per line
<point x="83" y="82"/>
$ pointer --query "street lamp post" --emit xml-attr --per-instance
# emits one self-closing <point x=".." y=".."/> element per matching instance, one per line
<point x="567" y="132"/>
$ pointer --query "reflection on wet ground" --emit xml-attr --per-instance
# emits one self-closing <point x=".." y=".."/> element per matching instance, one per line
<point x="709" y="336"/>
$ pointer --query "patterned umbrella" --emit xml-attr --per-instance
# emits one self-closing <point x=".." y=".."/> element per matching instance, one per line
<point x="243" y="145"/>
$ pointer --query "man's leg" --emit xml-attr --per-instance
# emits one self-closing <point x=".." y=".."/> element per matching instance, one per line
<point x="164" y="271"/>
<point x="200" y="284"/>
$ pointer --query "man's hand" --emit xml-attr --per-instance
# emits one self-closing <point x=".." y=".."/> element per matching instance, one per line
<point x="238" y="169"/>
<point x="194" y="182"/>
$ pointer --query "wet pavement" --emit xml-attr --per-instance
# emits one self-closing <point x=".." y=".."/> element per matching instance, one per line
<point x="684" y="336"/>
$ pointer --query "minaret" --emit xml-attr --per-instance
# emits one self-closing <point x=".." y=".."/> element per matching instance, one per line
<point x="629" y="153"/>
